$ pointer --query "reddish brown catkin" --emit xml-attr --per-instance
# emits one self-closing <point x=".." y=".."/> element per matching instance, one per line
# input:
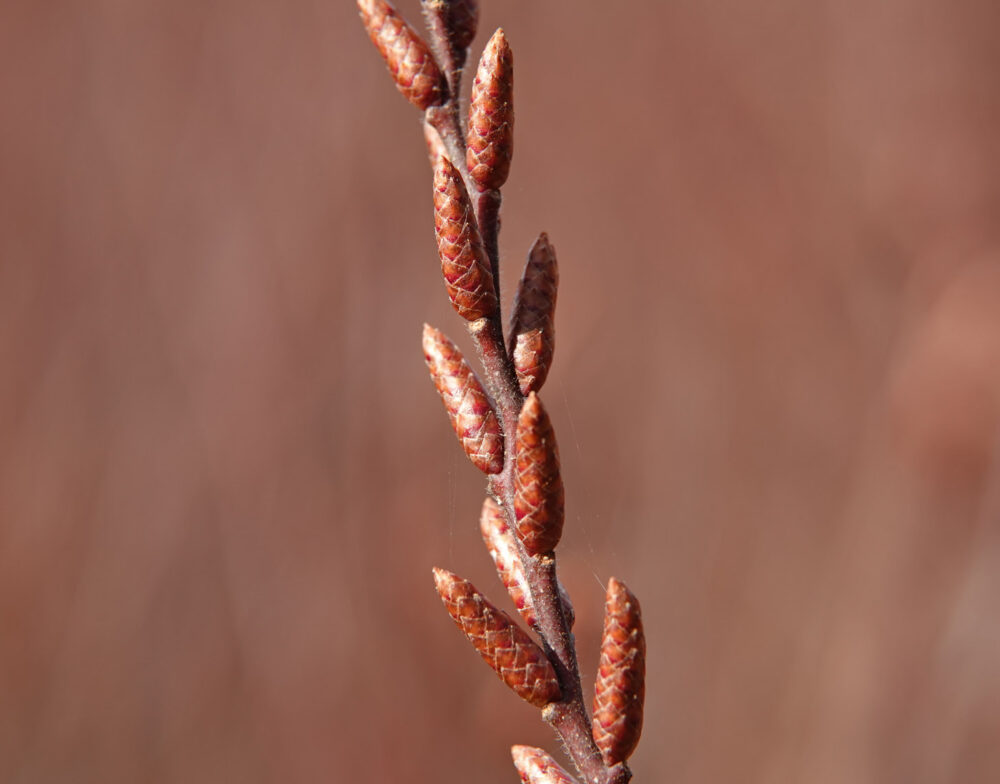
<point x="466" y="226"/>
<point x="537" y="767"/>
<point x="532" y="328"/>
<point x="469" y="409"/>
<point x="504" y="646"/>
<point x="464" y="264"/>
<point x="490" y="143"/>
<point x="621" y="676"/>
<point x="538" y="487"/>
<point x="499" y="541"/>
<point x="406" y="54"/>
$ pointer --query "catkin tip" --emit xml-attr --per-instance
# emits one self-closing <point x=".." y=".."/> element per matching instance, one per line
<point x="441" y="577"/>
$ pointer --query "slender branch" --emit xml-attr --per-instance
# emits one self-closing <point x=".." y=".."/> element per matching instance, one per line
<point x="445" y="119"/>
<point x="568" y="717"/>
<point x="528" y="484"/>
<point x="487" y="206"/>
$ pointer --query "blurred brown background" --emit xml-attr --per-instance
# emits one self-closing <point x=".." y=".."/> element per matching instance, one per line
<point x="224" y="475"/>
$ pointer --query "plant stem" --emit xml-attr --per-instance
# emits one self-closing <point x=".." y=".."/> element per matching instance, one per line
<point x="568" y="717"/>
<point x="451" y="61"/>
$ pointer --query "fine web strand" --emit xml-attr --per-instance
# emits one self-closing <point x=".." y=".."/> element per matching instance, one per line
<point x="452" y="503"/>
<point x="581" y="491"/>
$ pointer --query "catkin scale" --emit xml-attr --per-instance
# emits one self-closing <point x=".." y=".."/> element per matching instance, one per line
<point x="503" y="645"/>
<point x="490" y="139"/>
<point x="532" y="328"/>
<point x="469" y="408"/>
<point x="464" y="263"/>
<point x="406" y="54"/>
<point x="620" y="687"/>
<point x="538" y="486"/>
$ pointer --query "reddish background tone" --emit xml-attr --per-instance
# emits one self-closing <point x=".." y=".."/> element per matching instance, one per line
<point x="224" y="475"/>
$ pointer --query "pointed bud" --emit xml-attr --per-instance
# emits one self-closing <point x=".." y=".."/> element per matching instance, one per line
<point x="464" y="264"/>
<point x="503" y="550"/>
<point x="458" y="18"/>
<point x="407" y="55"/>
<point x="538" y="487"/>
<point x="491" y="116"/>
<point x="507" y="648"/>
<point x="621" y="676"/>
<point x="532" y="329"/>
<point x="469" y="409"/>
<point x="537" y="767"/>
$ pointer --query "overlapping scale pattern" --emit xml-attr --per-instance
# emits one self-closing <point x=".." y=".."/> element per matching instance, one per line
<point x="499" y="539"/>
<point x="406" y="54"/>
<point x="532" y="329"/>
<point x="538" y="486"/>
<point x="504" y="645"/>
<point x="469" y="408"/>
<point x="464" y="263"/>
<point x="621" y="676"/>
<point x="490" y="140"/>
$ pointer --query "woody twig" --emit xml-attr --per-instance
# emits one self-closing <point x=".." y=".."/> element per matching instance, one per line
<point x="498" y="416"/>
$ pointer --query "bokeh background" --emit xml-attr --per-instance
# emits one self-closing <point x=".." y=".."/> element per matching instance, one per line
<point x="224" y="475"/>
